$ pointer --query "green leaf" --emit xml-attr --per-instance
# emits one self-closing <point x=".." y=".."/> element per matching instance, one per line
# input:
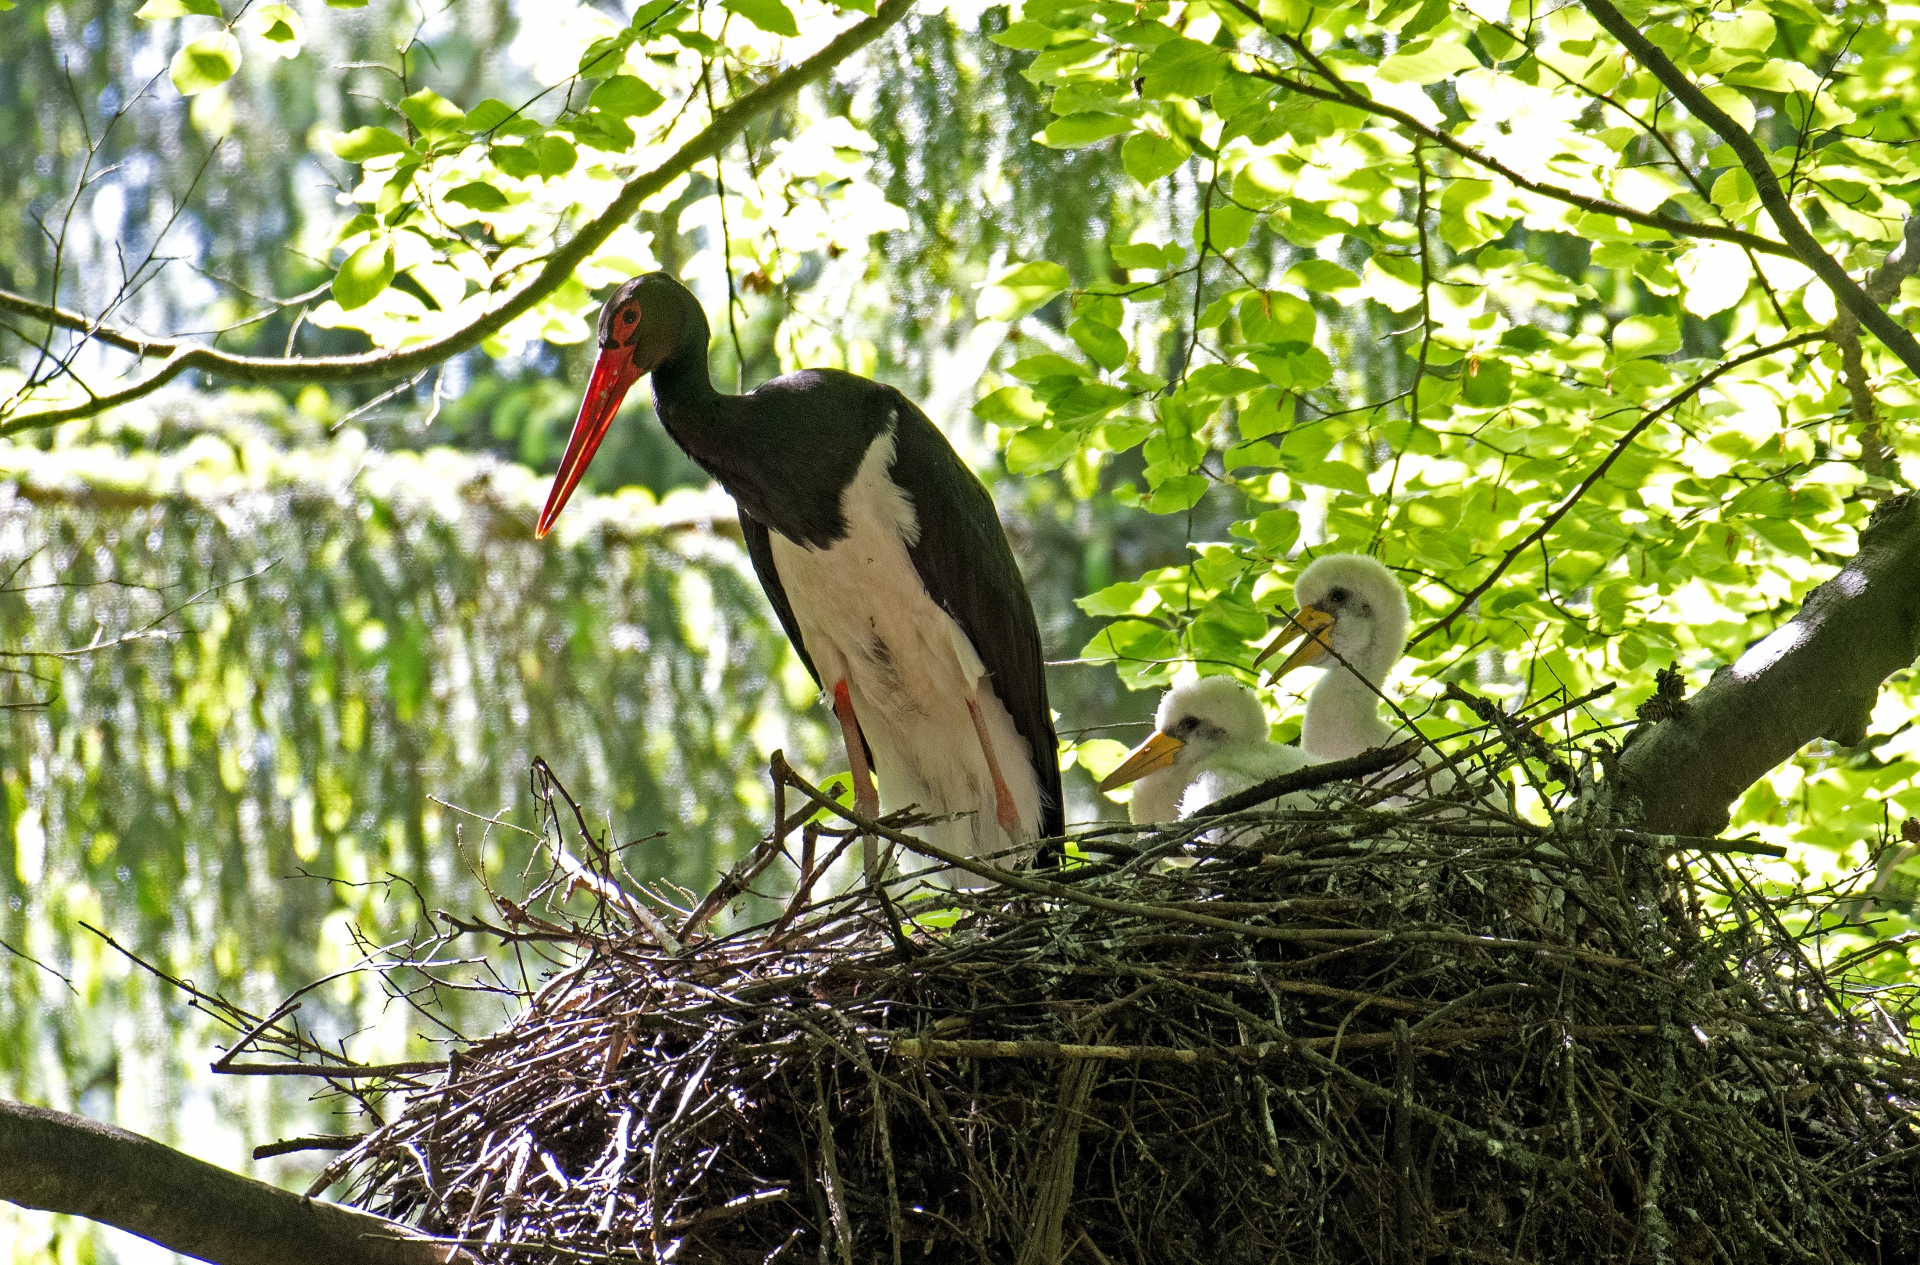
<point x="1183" y="68"/>
<point x="1752" y="31"/>
<point x="770" y="16"/>
<point x="1102" y="343"/>
<point x="517" y="161"/>
<point x="479" y="197"/>
<point x="206" y="63"/>
<point x="1331" y="474"/>
<point x="656" y="16"/>
<point x="1267" y="413"/>
<point x="627" y="97"/>
<point x="1221" y="381"/>
<point x="1487" y="383"/>
<point x="1148" y="157"/>
<point x="489" y="114"/>
<point x="1040" y="448"/>
<point x="155" y="10"/>
<point x="1641" y="336"/>
<point x="1028" y="37"/>
<point x="1178" y="494"/>
<point x="1321" y="276"/>
<point x="1046" y="365"/>
<point x="605" y="56"/>
<point x="1089" y="400"/>
<point x="1274" y="531"/>
<point x="1768" y="500"/>
<point x="346" y="4"/>
<point x="1226" y="228"/>
<point x="1147" y="255"/>
<point x="366" y="273"/>
<point x="1424" y="63"/>
<point x="1085" y="128"/>
<point x="1117" y="600"/>
<point x="363" y="143"/>
<point x="280" y="26"/>
<point x="1010" y="406"/>
<point x="431" y="112"/>
<point x="556" y="157"/>
<point x="1018" y="291"/>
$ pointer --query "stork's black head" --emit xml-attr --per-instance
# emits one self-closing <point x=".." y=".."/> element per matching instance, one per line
<point x="649" y="321"/>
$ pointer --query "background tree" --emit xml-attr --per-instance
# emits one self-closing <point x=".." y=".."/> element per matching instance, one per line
<point x="1512" y="296"/>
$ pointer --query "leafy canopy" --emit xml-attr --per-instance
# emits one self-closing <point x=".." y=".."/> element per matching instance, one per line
<point x="1461" y="286"/>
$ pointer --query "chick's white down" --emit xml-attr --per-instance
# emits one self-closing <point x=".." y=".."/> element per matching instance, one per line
<point x="1368" y="635"/>
<point x="1224" y="747"/>
<point x="1360" y="609"/>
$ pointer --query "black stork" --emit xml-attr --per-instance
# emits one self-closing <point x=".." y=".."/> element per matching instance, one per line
<point x="883" y="557"/>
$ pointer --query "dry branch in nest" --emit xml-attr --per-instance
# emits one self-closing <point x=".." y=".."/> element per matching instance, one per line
<point x="1351" y="1034"/>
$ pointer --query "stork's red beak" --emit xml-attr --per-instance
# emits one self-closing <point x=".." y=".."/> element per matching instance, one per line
<point x="613" y="374"/>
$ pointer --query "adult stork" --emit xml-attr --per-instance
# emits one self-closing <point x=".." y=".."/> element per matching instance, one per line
<point x="1210" y="738"/>
<point x="883" y="557"/>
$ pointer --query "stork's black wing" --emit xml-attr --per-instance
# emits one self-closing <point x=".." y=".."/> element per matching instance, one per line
<point x="963" y="558"/>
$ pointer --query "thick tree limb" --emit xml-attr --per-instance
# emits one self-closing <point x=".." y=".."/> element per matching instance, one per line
<point x="1845" y="289"/>
<point x="1815" y="677"/>
<point x="183" y="356"/>
<point x="64" y="1163"/>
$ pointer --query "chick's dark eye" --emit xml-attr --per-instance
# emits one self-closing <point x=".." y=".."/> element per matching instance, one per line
<point x="1338" y="596"/>
<point x="1187" y="725"/>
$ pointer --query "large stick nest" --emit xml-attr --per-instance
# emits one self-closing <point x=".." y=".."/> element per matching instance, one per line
<point x="1345" y="1035"/>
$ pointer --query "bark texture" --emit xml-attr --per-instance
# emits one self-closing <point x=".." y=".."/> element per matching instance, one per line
<point x="1816" y="677"/>
<point x="65" y="1163"/>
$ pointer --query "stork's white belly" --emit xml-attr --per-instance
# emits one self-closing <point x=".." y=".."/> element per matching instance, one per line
<point x="910" y="670"/>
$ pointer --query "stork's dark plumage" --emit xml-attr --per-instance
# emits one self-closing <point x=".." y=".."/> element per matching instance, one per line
<point x="882" y="555"/>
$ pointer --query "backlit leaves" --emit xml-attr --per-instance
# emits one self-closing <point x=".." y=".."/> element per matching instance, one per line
<point x="205" y="63"/>
<point x="367" y="272"/>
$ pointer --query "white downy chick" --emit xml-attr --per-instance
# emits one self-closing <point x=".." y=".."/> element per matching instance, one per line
<point x="1210" y="739"/>
<point x="1353" y="606"/>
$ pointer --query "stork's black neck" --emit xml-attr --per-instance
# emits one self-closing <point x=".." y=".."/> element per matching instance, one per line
<point x="785" y="451"/>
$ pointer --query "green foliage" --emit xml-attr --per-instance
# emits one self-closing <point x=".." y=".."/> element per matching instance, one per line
<point x="1384" y="314"/>
<point x="360" y="640"/>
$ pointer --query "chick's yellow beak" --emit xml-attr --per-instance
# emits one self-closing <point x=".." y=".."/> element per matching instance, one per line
<point x="1309" y="622"/>
<point x="1151" y="756"/>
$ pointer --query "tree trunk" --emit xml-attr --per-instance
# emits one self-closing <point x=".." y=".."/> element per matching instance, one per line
<point x="1815" y="677"/>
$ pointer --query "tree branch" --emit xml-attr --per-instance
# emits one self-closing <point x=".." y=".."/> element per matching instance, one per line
<point x="1344" y="93"/>
<point x="184" y="356"/>
<point x="1814" y="677"/>
<point x="65" y="1163"/>
<point x="1876" y="455"/>
<point x="1845" y="289"/>
<point x="1620" y="446"/>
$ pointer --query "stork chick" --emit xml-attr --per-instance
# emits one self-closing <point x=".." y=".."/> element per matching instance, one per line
<point x="1353" y="616"/>
<point x="1210" y="739"/>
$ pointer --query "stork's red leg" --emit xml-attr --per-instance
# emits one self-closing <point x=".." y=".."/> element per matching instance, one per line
<point x="1002" y="797"/>
<point x="866" y="800"/>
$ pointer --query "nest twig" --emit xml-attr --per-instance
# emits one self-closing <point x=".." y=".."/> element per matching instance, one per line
<point x="1350" y="1034"/>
